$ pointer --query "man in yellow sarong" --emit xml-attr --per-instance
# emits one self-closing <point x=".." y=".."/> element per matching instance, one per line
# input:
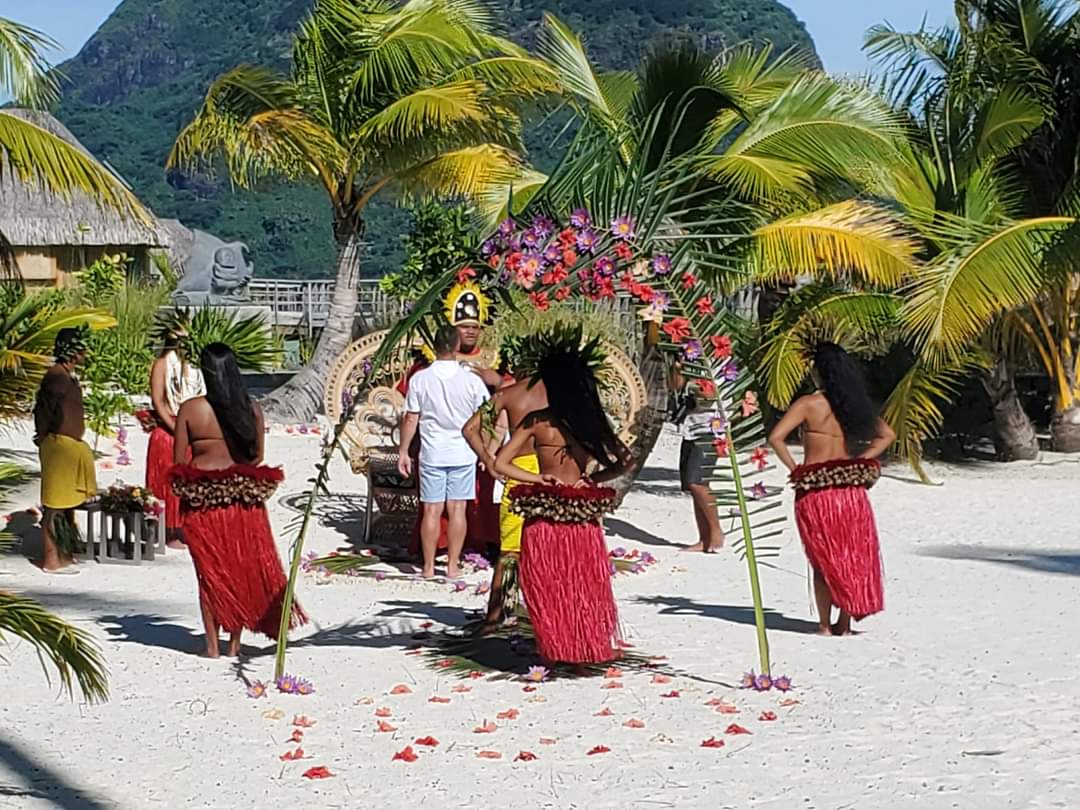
<point x="67" y="463"/>
<point x="505" y="411"/>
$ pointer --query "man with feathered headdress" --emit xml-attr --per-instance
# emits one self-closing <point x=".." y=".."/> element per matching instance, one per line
<point x="67" y="463"/>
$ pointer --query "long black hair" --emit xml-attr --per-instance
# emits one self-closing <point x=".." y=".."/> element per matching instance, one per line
<point x="228" y="396"/>
<point x="843" y="386"/>
<point x="574" y="401"/>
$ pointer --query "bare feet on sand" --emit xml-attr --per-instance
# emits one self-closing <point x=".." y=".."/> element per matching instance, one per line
<point x="702" y="548"/>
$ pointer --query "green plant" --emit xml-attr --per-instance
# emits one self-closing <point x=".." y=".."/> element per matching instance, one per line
<point x="102" y="280"/>
<point x="411" y="100"/>
<point x="440" y="237"/>
<point x="103" y="409"/>
<point x="250" y="337"/>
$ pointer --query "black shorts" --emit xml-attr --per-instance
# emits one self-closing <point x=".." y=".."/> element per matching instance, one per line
<point x="691" y="465"/>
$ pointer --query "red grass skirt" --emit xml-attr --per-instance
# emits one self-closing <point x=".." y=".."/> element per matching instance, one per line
<point x="566" y="580"/>
<point x="841" y="541"/>
<point x="159" y="460"/>
<point x="240" y="575"/>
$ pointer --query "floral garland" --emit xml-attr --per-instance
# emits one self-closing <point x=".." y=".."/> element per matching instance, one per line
<point x="240" y="484"/>
<point x="846" y="472"/>
<point x="561" y="503"/>
<point x="147" y="420"/>
<point x="126" y="498"/>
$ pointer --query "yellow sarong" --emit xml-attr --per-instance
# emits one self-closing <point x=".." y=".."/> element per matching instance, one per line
<point x="510" y="525"/>
<point x="67" y="472"/>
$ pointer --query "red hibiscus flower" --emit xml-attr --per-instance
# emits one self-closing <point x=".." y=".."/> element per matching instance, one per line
<point x="626" y="282"/>
<point x="677" y="329"/>
<point x="567" y="238"/>
<point x="707" y="388"/>
<point x="558" y="274"/>
<point x="688" y="280"/>
<point x="721" y="346"/>
<point x="464" y="274"/>
<point x="721" y="447"/>
<point x="562" y="293"/>
<point x="487" y="728"/>
<point x="493" y="262"/>
<point x="599" y="749"/>
<point x="605" y="288"/>
<point x="406" y="754"/>
<point x="623" y="251"/>
<point x="569" y="258"/>
<point x="705" y="306"/>
<point x="674" y="693"/>
<point x="767" y="717"/>
<point x="291" y="756"/>
<point x="712" y="742"/>
<point x="318" y="772"/>
<point x="540" y="300"/>
<point x="735" y="728"/>
<point x="509" y="714"/>
<point x="760" y="458"/>
<point x="427" y="742"/>
<point x="385" y="727"/>
<point x="525" y="756"/>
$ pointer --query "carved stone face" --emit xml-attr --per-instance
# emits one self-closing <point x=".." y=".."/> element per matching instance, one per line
<point x="231" y="267"/>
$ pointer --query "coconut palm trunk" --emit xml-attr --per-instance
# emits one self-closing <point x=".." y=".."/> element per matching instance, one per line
<point x="299" y="399"/>
<point x="1014" y="434"/>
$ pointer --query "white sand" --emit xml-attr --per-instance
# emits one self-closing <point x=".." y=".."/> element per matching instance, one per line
<point x="963" y="693"/>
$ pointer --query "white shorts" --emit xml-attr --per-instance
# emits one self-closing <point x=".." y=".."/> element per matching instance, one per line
<point x="442" y="484"/>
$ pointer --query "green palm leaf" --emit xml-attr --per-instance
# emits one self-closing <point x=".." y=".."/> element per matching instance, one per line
<point x="25" y="74"/>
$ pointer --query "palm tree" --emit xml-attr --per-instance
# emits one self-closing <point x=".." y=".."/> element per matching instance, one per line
<point x="34" y="154"/>
<point x="410" y="100"/>
<point x="990" y="186"/>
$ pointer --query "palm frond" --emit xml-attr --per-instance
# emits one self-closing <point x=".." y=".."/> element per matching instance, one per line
<point x="71" y="651"/>
<point x="25" y="74"/>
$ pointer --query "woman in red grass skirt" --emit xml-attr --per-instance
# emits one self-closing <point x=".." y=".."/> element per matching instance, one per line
<point x="842" y="439"/>
<point x="223" y="493"/>
<point x="173" y="381"/>
<point x="565" y="569"/>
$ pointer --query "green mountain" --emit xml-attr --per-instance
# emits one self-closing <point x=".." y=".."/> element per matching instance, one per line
<point x="141" y="77"/>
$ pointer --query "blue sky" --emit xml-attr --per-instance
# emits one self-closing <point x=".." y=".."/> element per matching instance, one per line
<point x="836" y="25"/>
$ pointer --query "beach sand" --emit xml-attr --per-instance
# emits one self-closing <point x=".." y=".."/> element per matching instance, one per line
<point x="963" y="694"/>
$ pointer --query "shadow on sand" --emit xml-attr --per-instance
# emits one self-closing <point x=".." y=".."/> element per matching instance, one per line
<point x="44" y="783"/>
<point x="739" y="614"/>
<point x="1062" y="562"/>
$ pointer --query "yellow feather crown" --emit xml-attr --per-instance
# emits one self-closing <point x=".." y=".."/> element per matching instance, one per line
<point x="466" y="303"/>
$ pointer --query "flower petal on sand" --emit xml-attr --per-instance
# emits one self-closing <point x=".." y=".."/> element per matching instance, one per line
<point x="598" y="749"/>
<point x="613" y="672"/>
<point x="401" y="689"/>
<point x="509" y="714"/>
<point x="674" y="693"/>
<point x="632" y="723"/>
<point x="406" y="754"/>
<point x="525" y="756"/>
<point x="290" y="756"/>
<point x="604" y="712"/>
<point x="297" y="736"/>
<point x="461" y="689"/>
<point x="661" y="679"/>
<point x="767" y="716"/>
<point x="383" y="712"/>
<point x="712" y="742"/>
<point x="437" y="699"/>
<point x="303" y="722"/>
<point x="612" y="685"/>
<point x="735" y="728"/>
<point x="487" y="728"/>
<point x="318" y="772"/>
<point x="488" y="755"/>
<point x="427" y="742"/>
<point x="385" y="727"/>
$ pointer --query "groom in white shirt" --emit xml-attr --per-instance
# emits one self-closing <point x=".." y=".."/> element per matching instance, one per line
<point x="441" y="399"/>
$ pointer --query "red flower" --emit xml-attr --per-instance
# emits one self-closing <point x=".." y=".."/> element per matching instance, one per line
<point x="569" y="258"/>
<point x="567" y="238"/>
<point x="302" y="722"/>
<point x="476" y="674"/>
<point x="513" y="261"/>
<point x="721" y="346"/>
<point x="661" y="679"/>
<point x="645" y="293"/>
<point x="291" y="756"/>
<point x="721" y="447"/>
<point x="525" y="756"/>
<point x="461" y="688"/>
<point x="429" y="742"/>
<point x="706" y="388"/>
<point x="437" y="699"/>
<point x="612" y="685"/>
<point x="540" y="300"/>
<point x="623" y="251"/>
<point x="406" y="754"/>
<point x="558" y="274"/>
<point x="488" y="755"/>
<point x="297" y="736"/>
<point x="605" y="288"/>
<point x="509" y="714"/>
<point x="767" y="716"/>
<point x="604" y="712"/>
<point x="760" y="458"/>
<point x="562" y="293"/>
<point x="677" y="329"/>
<point x="674" y="693"/>
<point x="626" y="282"/>
<point x="487" y="728"/>
<point x="632" y="723"/>
<point x="705" y="306"/>
<point x="599" y="749"/>
<point x="385" y="727"/>
<point x="735" y="728"/>
<point x="383" y="712"/>
<point x="493" y="262"/>
<point x="464" y="274"/>
<point x="712" y="742"/>
<point x="401" y="689"/>
<point x="688" y="280"/>
<point x="318" y="772"/>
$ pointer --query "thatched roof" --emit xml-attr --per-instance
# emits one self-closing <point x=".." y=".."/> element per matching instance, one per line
<point x="31" y="216"/>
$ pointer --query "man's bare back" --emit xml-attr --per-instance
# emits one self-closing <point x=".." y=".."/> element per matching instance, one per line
<point x="59" y="406"/>
<point x="510" y="406"/>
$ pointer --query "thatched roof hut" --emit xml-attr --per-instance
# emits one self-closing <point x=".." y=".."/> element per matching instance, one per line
<point x="54" y="236"/>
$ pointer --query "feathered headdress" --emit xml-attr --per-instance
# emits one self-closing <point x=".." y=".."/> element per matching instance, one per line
<point x="466" y="304"/>
<point x="533" y="351"/>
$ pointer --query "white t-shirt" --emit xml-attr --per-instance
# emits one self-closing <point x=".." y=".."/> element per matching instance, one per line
<point x="446" y="395"/>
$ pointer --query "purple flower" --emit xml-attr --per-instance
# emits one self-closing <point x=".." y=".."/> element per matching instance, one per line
<point x="783" y="683"/>
<point x="612" y="569"/>
<point x="488" y="249"/>
<point x="758" y="490"/>
<point x="605" y="266"/>
<point x="762" y="683"/>
<point x="647" y="558"/>
<point x="580" y="218"/>
<point x="544" y="226"/>
<point x="730" y="371"/>
<point x="380" y="576"/>
<point x="303" y="687"/>
<point x="504" y="277"/>
<point x="346" y="400"/>
<point x="692" y="349"/>
<point x="481" y="588"/>
<point x="618" y="553"/>
<point x="366" y="367"/>
<point x="506" y="227"/>
<point x="553" y="253"/>
<point x="537" y="674"/>
<point x="661" y="264"/>
<point x="514" y="243"/>
<point x="623" y="228"/>
<point x="287" y="684"/>
<point x="748" y="680"/>
<point x="256" y="690"/>
<point x="530" y="238"/>
<point x="461" y="585"/>
<point x="661" y="301"/>
<point x="718" y="425"/>
<point x="123" y="459"/>
<point x="637" y="568"/>
<point x="587" y="240"/>
<point x="303" y="429"/>
<point x="532" y="264"/>
<point x="122" y="435"/>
